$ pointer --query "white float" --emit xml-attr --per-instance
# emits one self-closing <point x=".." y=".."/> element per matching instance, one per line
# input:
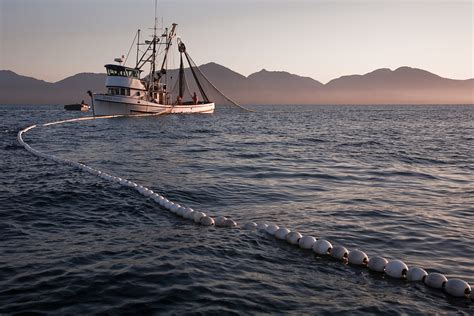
<point x="230" y="223"/>
<point x="281" y="233"/>
<point x="250" y="226"/>
<point x="175" y="208"/>
<point x="262" y="226"/>
<point x="396" y="269"/>
<point x="182" y="211"/>
<point x="293" y="238"/>
<point x="170" y="206"/>
<point x="197" y="216"/>
<point x="189" y="214"/>
<point x="220" y="221"/>
<point x="306" y="242"/>
<point x="156" y="197"/>
<point x="186" y="213"/>
<point x="164" y="203"/>
<point x="416" y="274"/>
<point x="207" y="221"/>
<point x="339" y="252"/>
<point x="457" y="287"/>
<point x="377" y="264"/>
<point x="435" y="280"/>
<point x="358" y="257"/>
<point x="271" y="229"/>
<point x="322" y="247"/>
<point x="179" y="210"/>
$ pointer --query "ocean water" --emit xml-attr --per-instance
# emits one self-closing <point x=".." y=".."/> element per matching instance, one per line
<point x="396" y="181"/>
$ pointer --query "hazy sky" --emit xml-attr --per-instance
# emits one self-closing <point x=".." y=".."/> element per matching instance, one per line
<point x="53" y="39"/>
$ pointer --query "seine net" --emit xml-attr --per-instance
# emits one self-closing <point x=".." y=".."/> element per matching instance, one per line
<point x="187" y="82"/>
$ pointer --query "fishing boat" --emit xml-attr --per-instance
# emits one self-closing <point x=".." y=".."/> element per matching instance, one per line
<point x="128" y="93"/>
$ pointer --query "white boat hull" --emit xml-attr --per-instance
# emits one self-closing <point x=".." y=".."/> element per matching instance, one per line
<point x="122" y="105"/>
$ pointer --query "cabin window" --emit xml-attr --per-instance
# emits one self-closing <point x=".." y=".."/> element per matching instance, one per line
<point x="115" y="72"/>
<point x="132" y="73"/>
<point x="123" y="72"/>
<point x="119" y="91"/>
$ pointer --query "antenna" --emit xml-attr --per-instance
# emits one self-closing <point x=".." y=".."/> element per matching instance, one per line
<point x="156" y="5"/>
<point x="138" y="46"/>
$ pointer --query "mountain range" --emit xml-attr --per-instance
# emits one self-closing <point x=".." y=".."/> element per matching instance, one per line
<point x="404" y="85"/>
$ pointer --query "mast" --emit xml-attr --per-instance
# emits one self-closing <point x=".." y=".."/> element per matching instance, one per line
<point x="152" y="87"/>
<point x="181" y="70"/>
<point x="154" y="46"/>
<point x="170" y="37"/>
<point x="155" y="76"/>
<point x="203" y="93"/>
<point x="153" y="58"/>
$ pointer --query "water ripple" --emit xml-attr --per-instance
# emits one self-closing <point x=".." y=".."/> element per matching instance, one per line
<point x="393" y="181"/>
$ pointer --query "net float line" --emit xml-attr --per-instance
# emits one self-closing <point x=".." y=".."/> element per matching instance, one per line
<point x="393" y="268"/>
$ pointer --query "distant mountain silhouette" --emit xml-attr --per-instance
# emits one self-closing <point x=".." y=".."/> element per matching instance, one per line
<point x="283" y="80"/>
<point x="17" y="89"/>
<point x="401" y="86"/>
<point x="404" y="85"/>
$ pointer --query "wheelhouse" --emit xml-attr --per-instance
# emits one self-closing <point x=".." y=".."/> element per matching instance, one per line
<point x="124" y="81"/>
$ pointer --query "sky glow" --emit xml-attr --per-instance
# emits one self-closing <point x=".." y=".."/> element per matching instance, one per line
<point x="53" y="39"/>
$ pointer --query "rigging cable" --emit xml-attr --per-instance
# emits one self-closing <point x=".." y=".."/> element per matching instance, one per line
<point x="133" y="42"/>
<point x="220" y="92"/>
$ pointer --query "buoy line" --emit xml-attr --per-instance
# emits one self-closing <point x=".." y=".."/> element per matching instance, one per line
<point x="393" y="268"/>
